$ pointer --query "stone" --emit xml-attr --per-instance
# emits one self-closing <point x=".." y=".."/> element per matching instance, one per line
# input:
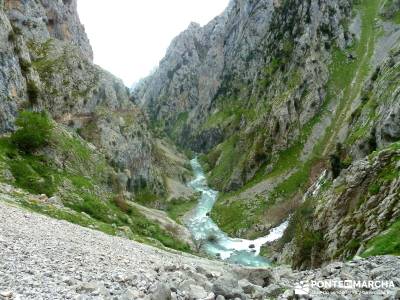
<point x="68" y="281"/>
<point x="273" y="290"/>
<point x="55" y="200"/>
<point x="210" y="296"/>
<point x="130" y="294"/>
<point x="88" y="287"/>
<point x="288" y="294"/>
<point x="227" y="287"/>
<point x="396" y="294"/>
<point x="197" y="292"/>
<point x="246" y="286"/>
<point x="6" y="294"/>
<point x="162" y="292"/>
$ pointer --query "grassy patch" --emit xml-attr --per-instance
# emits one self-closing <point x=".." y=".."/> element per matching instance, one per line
<point x="146" y="197"/>
<point x="35" y="174"/>
<point x="227" y="162"/>
<point x="231" y="217"/>
<point x="177" y="208"/>
<point x="387" y="242"/>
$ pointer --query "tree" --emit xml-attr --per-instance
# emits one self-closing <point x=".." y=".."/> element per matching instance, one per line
<point x="34" y="131"/>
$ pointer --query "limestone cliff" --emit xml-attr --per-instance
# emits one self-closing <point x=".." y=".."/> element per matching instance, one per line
<point x="272" y="93"/>
<point x="247" y="89"/>
<point x="355" y="214"/>
<point x="47" y="64"/>
<point x="253" y="77"/>
<point x="100" y="153"/>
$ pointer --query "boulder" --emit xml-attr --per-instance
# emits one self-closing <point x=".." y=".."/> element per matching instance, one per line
<point x="197" y="292"/>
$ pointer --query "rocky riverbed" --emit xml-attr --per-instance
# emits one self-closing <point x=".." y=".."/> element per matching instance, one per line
<point x="44" y="258"/>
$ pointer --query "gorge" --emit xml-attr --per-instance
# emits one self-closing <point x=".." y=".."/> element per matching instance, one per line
<point x="262" y="154"/>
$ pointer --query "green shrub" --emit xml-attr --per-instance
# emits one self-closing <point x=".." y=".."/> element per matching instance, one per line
<point x="34" y="131"/>
<point x="34" y="174"/>
<point x="374" y="189"/>
<point x="33" y="92"/>
<point x="12" y="37"/>
<point x="94" y="207"/>
<point x="336" y="160"/>
<point x="25" y="68"/>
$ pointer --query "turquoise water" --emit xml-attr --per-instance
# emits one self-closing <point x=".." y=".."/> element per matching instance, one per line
<point x="212" y="239"/>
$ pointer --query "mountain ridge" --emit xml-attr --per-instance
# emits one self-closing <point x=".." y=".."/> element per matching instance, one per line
<point x="272" y="94"/>
<point x="292" y="107"/>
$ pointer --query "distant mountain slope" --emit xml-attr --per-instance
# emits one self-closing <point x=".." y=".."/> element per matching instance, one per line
<point x="46" y="65"/>
<point x="274" y="92"/>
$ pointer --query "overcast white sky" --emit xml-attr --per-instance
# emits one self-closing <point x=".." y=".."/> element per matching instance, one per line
<point x="130" y="37"/>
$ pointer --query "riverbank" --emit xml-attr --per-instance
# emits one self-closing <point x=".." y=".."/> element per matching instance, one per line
<point x="211" y="239"/>
<point x="44" y="258"/>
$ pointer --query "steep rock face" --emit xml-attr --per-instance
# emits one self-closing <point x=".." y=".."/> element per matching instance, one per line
<point x="275" y="89"/>
<point x="263" y="107"/>
<point x="375" y="123"/>
<point x="44" y="19"/>
<point x="48" y="65"/>
<point x="12" y="85"/>
<point x="347" y="216"/>
<point x="357" y="212"/>
<point x="224" y="81"/>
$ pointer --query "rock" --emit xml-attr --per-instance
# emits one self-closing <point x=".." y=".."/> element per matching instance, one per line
<point x="42" y="198"/>
<point x="220" y="297"/>
<point x="197" y="292"/>
<point x="162" y="292"/>
<point x="210" y="296"/>
<point x="130" y="294"/>
<point x="90" y="287"/>
<point x="246" y="286"/>
<point x="55" y="200"/>
<point x="7" y="175"/>
<point x="349" y="235"/>
<point x="6" y="294"/>
<point x="185" y="285"/>
<point x="171" y="268"/>
<point x="227" y="287"/>
<point x="252" y="246"/>
<point x="396" y="294"/>
<point x="288" y="294"/>
<point x="273" y="290"/>
<point x="68" y="281"/>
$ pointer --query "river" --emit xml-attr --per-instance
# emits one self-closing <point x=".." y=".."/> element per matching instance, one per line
<point x="213" y="240"/>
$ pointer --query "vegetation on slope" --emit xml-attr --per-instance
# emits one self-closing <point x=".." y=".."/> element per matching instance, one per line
<point x="345" y="84"/>
<point x="342" y="219"/>
<point x="387" y="242"/>
<point x="59" y="164"/>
